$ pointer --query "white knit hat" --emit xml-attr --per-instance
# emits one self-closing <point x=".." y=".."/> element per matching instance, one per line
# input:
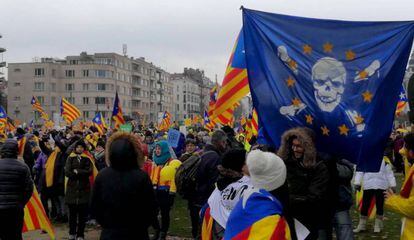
<point x="267" y="170"/>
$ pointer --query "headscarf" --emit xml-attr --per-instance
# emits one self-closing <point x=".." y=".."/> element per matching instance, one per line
<point x="165" y="153"/>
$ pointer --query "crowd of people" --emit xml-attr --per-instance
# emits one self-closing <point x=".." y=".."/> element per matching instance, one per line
<point x="128" y="182"/>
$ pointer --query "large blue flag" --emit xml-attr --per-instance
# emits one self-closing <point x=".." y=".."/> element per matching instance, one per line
<point x="340" y="78"/>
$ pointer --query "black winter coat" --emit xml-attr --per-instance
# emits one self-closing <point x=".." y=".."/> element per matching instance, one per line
<point x="78" y="187"/>
<point x="207" y="174"/>
<point x="123" y="203"/>
<point x="308" y="193"/>
<point x="16" y="185"/>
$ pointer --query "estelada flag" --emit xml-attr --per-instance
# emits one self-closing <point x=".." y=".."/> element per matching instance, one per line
<point x="35" y="217"/>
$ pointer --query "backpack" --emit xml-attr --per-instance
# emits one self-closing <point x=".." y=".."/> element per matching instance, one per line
<point x="186" y="176"/>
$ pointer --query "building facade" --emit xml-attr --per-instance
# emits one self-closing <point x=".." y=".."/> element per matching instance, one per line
<point x="191" y="92"/>
<point x="89" y="81"/>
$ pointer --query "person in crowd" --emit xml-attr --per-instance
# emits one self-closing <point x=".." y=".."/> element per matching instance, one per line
<point x="99" y="154"/>
<point x="230" y="186"/>
<point x="374" y="185"/>
<point x="49" y="169"/>
<point x="162" y="177"/>
<point x="16" y="188"/>
<point x="342" y="221"/>
<point x="398" y="145"/>
<point x="123" y="200"/>
<point x="261" y="204"/>
<point x="403" y="203"/>
<point x="149" y="140"/>
<point x="308" y="179"/>
<point x="206" y="177"/>
<point x="231" y="138"/>
<point x="190" y="149"/>
<point x="25" y="150"/>
<point x="78" y="168"/>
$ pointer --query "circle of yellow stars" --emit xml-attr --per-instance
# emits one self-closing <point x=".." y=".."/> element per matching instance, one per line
<point x="349" y="56"/>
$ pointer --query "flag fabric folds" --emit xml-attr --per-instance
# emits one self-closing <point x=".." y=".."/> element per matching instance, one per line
<point x="165" y="121"/>
<point x="36" y="105"/>
<point x="402" y="102"/>
<point x="99" y="123"/>
<point x="213" y="100"/>
<point x="226" y="117"/>
<point x="208" y="123"/>
<point x="35" y="217"/>
<point x="117" y="113"/>
<point x="258" y="215"/>
<point x="340" y="78"/>
<point x="235" y="83"/>
<point x="69" y="111"/>
<point x="3" y="119"/>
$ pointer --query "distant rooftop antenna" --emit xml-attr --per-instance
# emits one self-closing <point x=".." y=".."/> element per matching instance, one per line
<point x="124" y="49"/>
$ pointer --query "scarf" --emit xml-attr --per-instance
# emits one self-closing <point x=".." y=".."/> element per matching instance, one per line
<point x="50" y="167"/>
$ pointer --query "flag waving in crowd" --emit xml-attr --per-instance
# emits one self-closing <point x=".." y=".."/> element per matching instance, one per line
<point x="165" y="121"/>
<point x="344" y="88"/>
<point x="99" y="123"/>
<point x="402" y="102"/>
<point x="69" y="111"/>
<point x="117" y="113"/>
<point x="3" y="119"/>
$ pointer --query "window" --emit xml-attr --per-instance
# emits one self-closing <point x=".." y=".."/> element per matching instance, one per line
<point x="100" y="73"/>
<point x="178" y="98"/>
<point x="85" y="73"/>
<point x="39" y="72"/>
<point x="85" y="114"/>
<point x="17" y="70"/>
<point x="85" y="87"/>
<point x="117" y="88"/>
<point x="118" y="76"/>
<point x="178" y="107"/>
<point x="71" y="100"/>
<point x="16" y="84"/>
<point x="16" y="98"/>
<point x="70" y="73"/>
<point x="73" y="62"/>
<point x="53" y="101"/>
<point x="125" y="90"/>
<point x="99" y="100"/>
<point x="41" y="99"/>
<point x="184" y="107"/>
<point x="39" y="86"/>
<point x="184" y="99"/>
<point x="70" y="87"/>
<point x="101" y="87"/>
<point x="53" y="87"/>
<point x="85" y="100"/>
<point x="53" y="72"/>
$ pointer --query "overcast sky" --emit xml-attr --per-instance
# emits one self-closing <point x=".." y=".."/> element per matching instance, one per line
<point x="170" y="33"/>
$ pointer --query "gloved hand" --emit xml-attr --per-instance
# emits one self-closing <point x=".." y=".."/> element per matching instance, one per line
<point x="357" y="187"/>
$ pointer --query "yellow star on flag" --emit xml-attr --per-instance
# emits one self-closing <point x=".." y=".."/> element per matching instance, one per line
<point x="292" y="63"/>
<point x="343" y="130"/>
<point x="367" y="95"/>
<point x="290" y="82"/>
<point x="307" y="49"/>
<point x="363" y="74"/>
<point x="325" y="130"/>
<point x="350" y="55"/>
<point x="327" y="47"/>
<point x="296" y="102"/>
<point x="309" y="119"/>
<point x="359" y="119"/>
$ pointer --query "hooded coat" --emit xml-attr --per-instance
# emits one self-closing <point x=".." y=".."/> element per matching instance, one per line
<point x="16" y="185"/>
<point x="308" y="181"/>
<point x="123" y="200"/>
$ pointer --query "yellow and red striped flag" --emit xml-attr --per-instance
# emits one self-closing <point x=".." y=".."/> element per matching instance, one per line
<point x="213" y="100"/>
<point x="402" y="102"/>
<point x="117" y="113"/>
<point x="35" y="217"/>
<point x="165" y="121"/>
<point x="235" y="84"/>
<point x="69" y="111"/>
<point x="226" y="117"/>
<point x="3" y="119"/>
<point x="255" y="123"/>
<point x="36" y="105"/>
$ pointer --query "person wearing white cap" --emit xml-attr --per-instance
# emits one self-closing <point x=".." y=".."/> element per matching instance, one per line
<point x="266" y="199"/>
